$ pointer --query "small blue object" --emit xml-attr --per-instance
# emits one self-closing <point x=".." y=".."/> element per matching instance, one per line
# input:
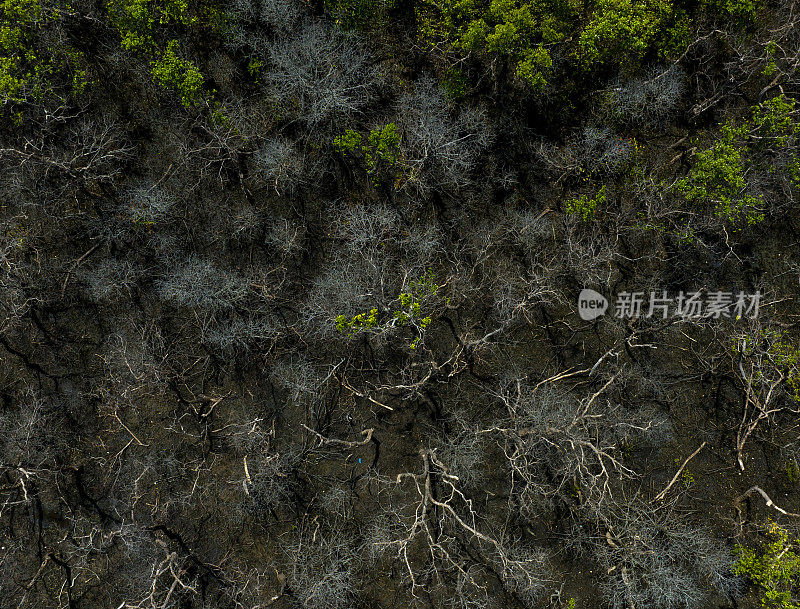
<point x="359" y="459"/>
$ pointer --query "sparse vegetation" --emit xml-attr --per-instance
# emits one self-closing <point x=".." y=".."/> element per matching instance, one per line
<point x="444" y="304"/>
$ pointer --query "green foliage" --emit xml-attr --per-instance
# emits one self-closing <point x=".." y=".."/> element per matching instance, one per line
<point x="80" y="79"/>
<point x="384" y="146"/>
<point x="142" y="25"/>
<point x="19" y="63"/>
<point x="793" y="472"/>
<point x="381" y="151"/>
<point x="778" y="357"/>
<point x="254" y="67"/>
<point x="768" y="139"/>
<point x="454" y="84"/>
<point x="357" y="323"/>
<point x="741" y="12"/>
<point x="773" y="119"/>
<point x="349" y="142"/>
<point x="516" y="29"/>
<point x="178" y="74"/>
<point x="771" y="66"/>
<point x="137" y="20"/>
<point x="410" y="301"/>
<point x="359" y="14"/>
<point x="584" y="206"/>
<point x="786" y="358"/>
<point x="618" y="32"/>
<point x="775" y="569"/>
<point x="718" y="178"/>
<point x="623" y="29"/>
<point x="27" y="69"/>
<point x="412" y="311"/>
<point x="533" y="66"/>
<point x="10" y="84"/>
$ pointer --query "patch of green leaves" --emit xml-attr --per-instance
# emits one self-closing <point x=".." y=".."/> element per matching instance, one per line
<point x="717" y="178"/>
<point x="359" y="15"/>
<point x="144" y="25"/>
<point x="380" y="152"/>
<point x="623" y="29"/>
<point x="584" y="206"/>
<point x="515" y="29"/>
<point x="28" y="69"/>
<point x="768" y="139"/>
<point x="179" y="74"/>
<point x="454" y="84"/>
<point x="774" y="568"/>
<point x="412" y="311"/>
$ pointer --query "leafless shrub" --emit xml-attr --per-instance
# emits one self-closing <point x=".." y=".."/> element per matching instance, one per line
<point x="325" y="71"/>
<point x="199" y="284"/>
<point x="147" y="206"/>
<point x="463" y="453"/>
<point x="655" y="559"/>
<point x="299" y="377"/>
<point x="268" y="480"/>
<point x="650" y="99"/>
<point x="557" y="443"/>
<point x="238" y="333"/>
<point x="135" y="358"/>
<point x="426" y="536"/>
<point x="322" y="571"/>
<point x="284" y="168"/>
<point x="442" y="145"/>
<point x="365" y="229"/>
<point x="24" y="445"/>
<point x="594" y="152"/>
<point x="354" y="285"/>
<point x="249" y="22"/>
<point x="336" y="502"/>
<point x="109" y="278"/>
<point x="247" y="223"/>
<point x="286" y="236"/>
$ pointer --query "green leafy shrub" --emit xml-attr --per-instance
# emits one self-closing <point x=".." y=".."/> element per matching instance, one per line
<point x="618" y="32"/>
<point x="137" y="20"/>
<point x="412" y="311"/>
<point x="179" y="74"/>
<point x="767" y="142"/>
<point x="773" y="119"/>
<point x="718" y="178"/>
<point x="359" y="322"/>
<point x="584" y="206"/>
<point x="793" y="472"/>
<point x="348" y="142"/>
<point x="628" y="29"/>
<point x="741" y="12"/>
<point x="28" y="69"/>
<point x="514" y="29"/>
<point x="777" y="130"/>
<point x="384" y="146"/>
<point x="380" y="152"/>
<point x="359" y="14"/>
<point x="454" y="84"/>
<point x="774" y="356"/>
<point x="142" y="25"/>
<point x="20" y="65"/>
<point x="775" y="569"/>
<point x="535" y="63"/>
